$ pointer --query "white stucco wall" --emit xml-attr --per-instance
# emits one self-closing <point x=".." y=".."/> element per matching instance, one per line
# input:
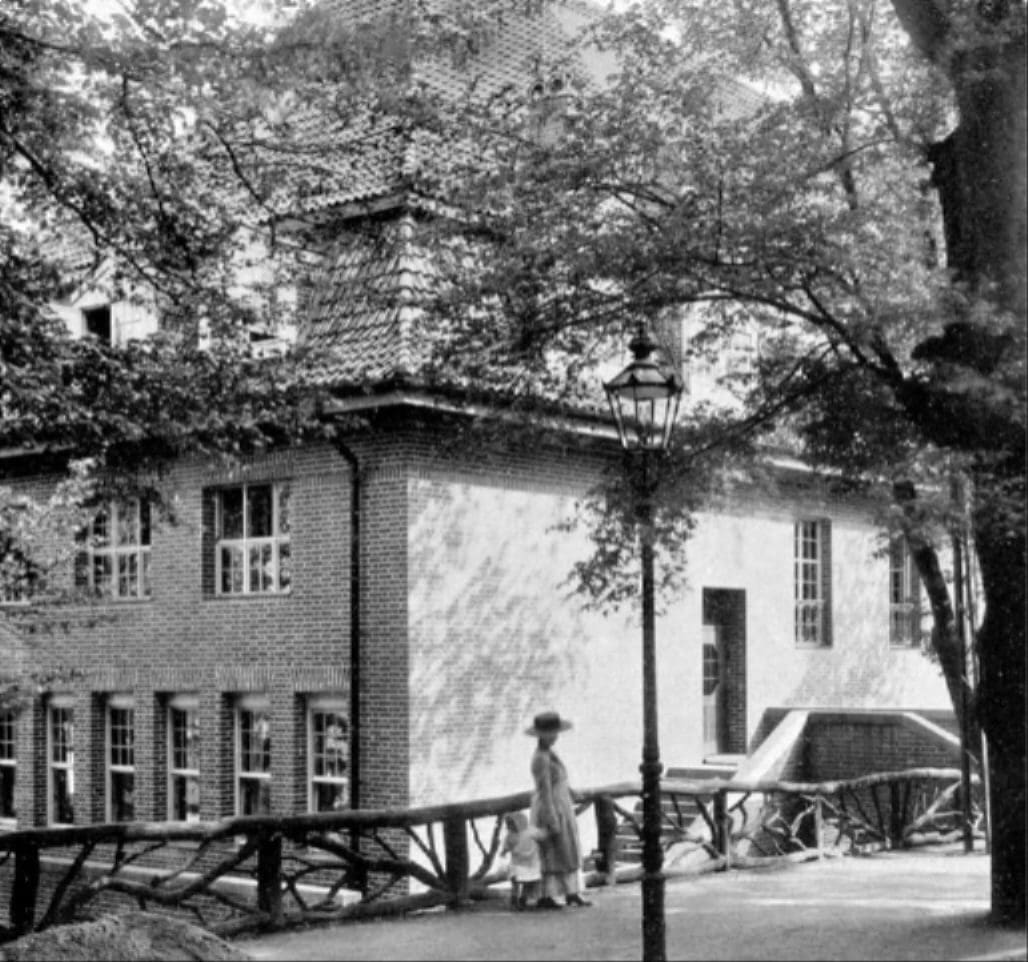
<point x="496" y="637"/>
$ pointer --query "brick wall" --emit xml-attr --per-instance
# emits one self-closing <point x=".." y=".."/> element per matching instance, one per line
<point x="468" y="628"/>
<point x="849" y="744"/>
<point x="187" y="640"/>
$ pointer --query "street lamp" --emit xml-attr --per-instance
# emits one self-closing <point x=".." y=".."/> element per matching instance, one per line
<point x="644" y="401"/>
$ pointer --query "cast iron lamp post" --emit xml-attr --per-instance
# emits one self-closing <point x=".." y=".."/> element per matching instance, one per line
<point x="644" y="401"/>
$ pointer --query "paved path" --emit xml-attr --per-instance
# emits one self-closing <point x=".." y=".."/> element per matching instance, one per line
<point x="919" y="905"/>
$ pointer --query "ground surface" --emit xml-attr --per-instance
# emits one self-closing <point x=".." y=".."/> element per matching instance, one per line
<point x="130" y="937"/>
<point x="921" y="905"/>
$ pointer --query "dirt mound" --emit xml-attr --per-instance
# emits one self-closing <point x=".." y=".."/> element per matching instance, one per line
<point x="132" y="937"/>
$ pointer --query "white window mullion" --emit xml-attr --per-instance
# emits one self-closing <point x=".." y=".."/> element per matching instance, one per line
<point x="183" y="758"/>
<point x="250" y="562"/>
<point x="328" y="753"/>
<point x="253" y="755"/>
<point x="8" y="766"/>
<point x="60" y="750"/>
<point x="121" y="761"/>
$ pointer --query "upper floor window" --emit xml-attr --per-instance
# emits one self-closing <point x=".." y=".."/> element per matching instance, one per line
<point x="329" y="754"/>
<point x="812" y="566"/>
<point x="8" y="766"/>
<point x="60" y="732"/>
<point x="121" y="759"/>
<point x="904" y="596"/>
<point x="252" y="552"/>
<point x="116" y="562"/>
<point x="96" y="321"/>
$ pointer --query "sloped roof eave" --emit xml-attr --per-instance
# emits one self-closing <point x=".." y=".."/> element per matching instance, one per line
<point x="397" y="394"/>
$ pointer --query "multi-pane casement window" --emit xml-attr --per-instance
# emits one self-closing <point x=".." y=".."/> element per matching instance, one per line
<point x="252" y="549"/>
<point x="328" y="740"/>
<point x="121" y="758"/>
<point x="8" y="767"/>
<point x="812" y="566"/>
<point x="115" y="563"/>
<point x="904" y="596"/>
<point x="183" y="758"/>
<point x="253" y="755"/>
<point x="60" y="751"/>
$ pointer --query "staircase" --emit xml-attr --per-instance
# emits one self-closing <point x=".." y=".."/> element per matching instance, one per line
<point x="629" y="843"/>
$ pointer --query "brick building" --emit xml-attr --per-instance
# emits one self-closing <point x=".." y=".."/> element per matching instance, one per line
<point x="375" y="622"/>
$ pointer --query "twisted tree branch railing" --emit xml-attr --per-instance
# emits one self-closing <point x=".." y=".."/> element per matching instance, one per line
<point x="254" y="872"/>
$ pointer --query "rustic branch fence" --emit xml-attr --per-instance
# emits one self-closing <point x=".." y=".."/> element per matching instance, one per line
<point x="261" y="872"/>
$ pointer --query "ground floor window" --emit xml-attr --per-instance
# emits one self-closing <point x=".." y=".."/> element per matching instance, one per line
<point x="328" y="741"/>
<point x="8" y="766"/>
<point x="121" y="758"/>
<point x="183" y="758"/>
<point x="60" y="761"/>
<point x="253" y="755"/>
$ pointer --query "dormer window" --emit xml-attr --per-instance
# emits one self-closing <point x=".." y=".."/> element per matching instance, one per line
<point x="96" y="321"/>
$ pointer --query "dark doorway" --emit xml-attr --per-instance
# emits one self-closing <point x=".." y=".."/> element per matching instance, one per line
<point x="724" y="671"/>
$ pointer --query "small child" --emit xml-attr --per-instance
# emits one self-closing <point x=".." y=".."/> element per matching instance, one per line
<point x="525" y="871"/>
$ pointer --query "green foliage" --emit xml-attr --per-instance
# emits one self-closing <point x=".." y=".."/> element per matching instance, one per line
<point x="771" y="162"/>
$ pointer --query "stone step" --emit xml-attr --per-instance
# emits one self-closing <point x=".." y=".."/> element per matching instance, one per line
<point x="701" y="772"/>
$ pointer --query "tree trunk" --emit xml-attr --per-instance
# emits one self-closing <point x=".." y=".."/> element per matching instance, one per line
<point x="1001" y="701"/>
<point x="980" y="175"/>
<point x="945" y="638"/>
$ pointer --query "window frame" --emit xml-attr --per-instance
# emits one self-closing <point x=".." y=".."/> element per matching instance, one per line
<point x="255" y="705"/>
<point x="119" y="772"/>
<point x="327" y="705"/>
<point x="187" y="705"/>
<point x="905" y="610"/>
<point x="279" y="538"/>
<point x="65" y="705"/>
<point x="115" y="551"/>
<point x="9" y="764"/>
<point x="812" y="582"/>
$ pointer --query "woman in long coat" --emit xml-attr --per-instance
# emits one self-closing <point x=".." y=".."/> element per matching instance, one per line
<point x="553" y="811"/>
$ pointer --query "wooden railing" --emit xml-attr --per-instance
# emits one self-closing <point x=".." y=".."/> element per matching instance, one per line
<point x="270" y="872"/>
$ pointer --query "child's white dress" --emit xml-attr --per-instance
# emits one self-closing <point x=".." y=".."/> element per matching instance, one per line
<point x="525" y="865"/>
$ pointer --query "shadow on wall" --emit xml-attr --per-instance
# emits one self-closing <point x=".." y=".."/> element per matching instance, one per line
<point x="861" y="668"/>
<point x="867" y="674"/>
<point x="494" y="638"/>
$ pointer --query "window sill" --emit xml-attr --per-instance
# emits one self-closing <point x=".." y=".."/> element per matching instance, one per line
<point x="97" y="602"/>
<point x="253" y="596"/>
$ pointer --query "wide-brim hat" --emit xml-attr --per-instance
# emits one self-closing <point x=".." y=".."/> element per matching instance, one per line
<point x="547" y="723"/>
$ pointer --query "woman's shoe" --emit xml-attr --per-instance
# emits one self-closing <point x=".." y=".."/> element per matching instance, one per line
<point x="577" y="901"/>
<point x="547" y="903"/>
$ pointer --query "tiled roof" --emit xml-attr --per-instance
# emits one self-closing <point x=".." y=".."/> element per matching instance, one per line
<point x="365" y="158"/>
<point x="363" y="301"/>
<point x="359" y="314"/>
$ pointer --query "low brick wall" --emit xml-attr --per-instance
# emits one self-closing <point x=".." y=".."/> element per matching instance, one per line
<point x="848" y="743"/>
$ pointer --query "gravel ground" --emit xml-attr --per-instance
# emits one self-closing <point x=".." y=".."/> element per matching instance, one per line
<point x="904" y="905"/>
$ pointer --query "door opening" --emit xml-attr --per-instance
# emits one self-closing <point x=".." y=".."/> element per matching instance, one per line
<point x="724" y="671"/>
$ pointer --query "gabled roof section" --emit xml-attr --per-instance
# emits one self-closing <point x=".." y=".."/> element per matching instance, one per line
<point x="377" y="271"/>
<point x="449" y="49"/>
<point x="363" y="301"/>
